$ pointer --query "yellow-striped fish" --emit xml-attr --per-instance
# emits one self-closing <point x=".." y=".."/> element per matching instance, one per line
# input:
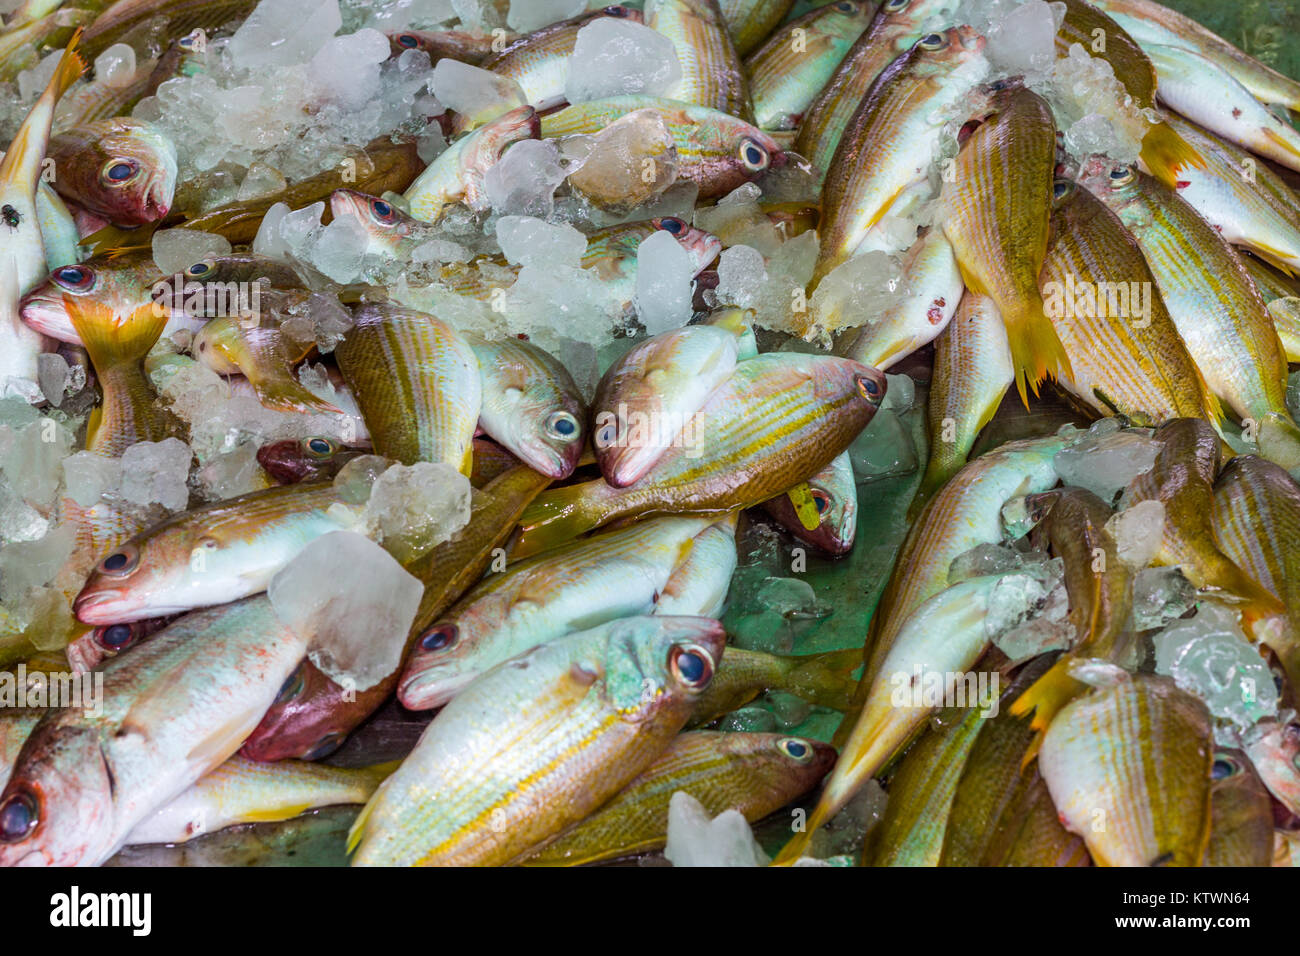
<point x="750" y="21"/>
<point x="711" y="71"/>
<point x="258" y="350"/>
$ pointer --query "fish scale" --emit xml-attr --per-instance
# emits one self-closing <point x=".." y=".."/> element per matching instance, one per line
<point x="711" y="74"/>
<point x="750" y="21"/>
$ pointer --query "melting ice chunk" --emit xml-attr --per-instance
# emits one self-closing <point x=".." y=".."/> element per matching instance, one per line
<point x="89" y="475"/>
<point x="1106" y="459"/>
<point x="616" y="57"/>
<point x="696" y="839"/>
<point x="529" y="241"/>
<point x="1159" y="596"/>
<point x="156" y="472"/>
<point x="664" y="272"/>
<point x="479" y="95"/>
<point x="284" y="32"/>
<point x="1137" y="532"/>
<point x="346" y="69"/>
<point x="175" y="250"/>
<point x="412" y="509"/>
<point x="356" y="632"/>
<point x="115" y="67"/>
<point x="528" y="15"/>
<point x="523" y="181"/>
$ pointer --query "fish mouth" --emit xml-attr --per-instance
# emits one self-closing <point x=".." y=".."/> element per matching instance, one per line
<point x="425" y="688"/>
<point x="346" y="202"/>
<point x="98" y="607"/>
<point x="157" y="200"/>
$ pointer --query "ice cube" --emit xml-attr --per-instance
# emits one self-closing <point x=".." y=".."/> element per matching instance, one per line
<point x="528" y="15"/>
<point x="115" y="67"/>
<point x="1106" y="459"/>
<point x="268" y="241"/>
<point x="52" y="376"/>
<point x="1209" y="656"/>
<point x="1160" y="595"/>
<point x="32" y="81"/>
<point x="412" y="509"/>
<point x="1024" y="40"/>
<point x="631" y="161"/>
<point x="1137" y="532"/>
<point x="529" y="241"/>
<point x="749" y="720"/>
<point x="791" y="598"/>
<point x="741" y="274"/>
<point x="984" y="559"/>
<point x="88" y="476"/>
<point x="764" y="630"/>
<point x="855" y="291"/>
<point x="524" y="180"/>
<point x="883" y="449"/>
<point x="261" y="181"/>
<point x="338" y="249"/>
<point x="346" y="69"/>
<point x="284" y="32"/>
<point x="477" y="94"/>
<point x="664" y="272"/>
<point x="356" y="479"/>
<point x="616" y="57"/>
<point x="356" y="632"/>
<point x="31" y="564"/>
<point x="157" y="472"/>
<point x="697" y="839"/>
<point x="175" y="250"/>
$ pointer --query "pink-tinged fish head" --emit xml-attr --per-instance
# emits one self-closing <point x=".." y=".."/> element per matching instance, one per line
<point x="123" y="285"/>
<point x="704" y="247"/>
<point x="172" y="568"/>
<point x="122" y="170"/>
<point x="446" y="654"/>
<point x="1274" y="749"/>
<point x="1113" y="183"/>
<point x="316" y="458"/>
<point x="681" y="659"/>
<point x="57" y="808"/>
<point x="94" y="645"/>
<point x="384" y="223"/>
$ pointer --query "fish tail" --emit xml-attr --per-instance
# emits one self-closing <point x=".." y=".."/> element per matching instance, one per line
<point x="1036" y="351"/>
<point x="1285" y="145"/>
<point x="1165" y="153"/>
<point x="1256" y="603"/>
<point x="110" y="340"/>
<point x="23" y="157"/>
<point x="826" y="679"/>
<point x="1044" y="699"/>
<point x="71" y="66"/>
<point x="283" y="393"/>
<point x="559" y="515"/>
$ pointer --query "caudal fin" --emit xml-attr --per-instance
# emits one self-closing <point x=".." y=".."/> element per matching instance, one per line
<point x="826" y="679"/>
<point x="1044" y="699"/>
<point x="560" y="515"/>
<point x="281" y="392"/>
<point x="1036" y="351"/>
<point x="1165" y="153"/>
<point x="110" y="339"/>
<point x="22" y="160"/>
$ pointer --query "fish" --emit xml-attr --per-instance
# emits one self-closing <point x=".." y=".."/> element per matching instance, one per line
<point x="313" y="714"/>
<point x="1126" y="353"/>
<point x="834" y="494"/>
<point x="1241" y="814"/>
<point x="788" y="71"/>
<point x="997" y="207"/>
<point x="579" y="586"/>
<point x="911" y="832"/>
<point x="1002" y="815"/>
<point x="257" y="347"/>
<point x="314" y="458"/>
<point x="966" y="512"/>
<point x="715" y="150"/>
<point x="699" y="584"/>
<point x="1256" y="522"/>
<point x="416" y="382"/>
<point x="1274" y="750"/>
<point x="932" y="290"/>
<point x="121" y="170"/>
<point x="244" y="791"/>
<point x="893" y="137"/>
<point x="143" y="21"/>
<point x="754" y="774"/>
<point x="531" y="404"/>
<point x="1228" y="194"/>
<point x="1205" y="93"/>
<point x="117" y="346"/>
<point x="1281" y="295"/>
<point x="1153" y="23"/>
<point x="272" y="274"/>
<point x="823" y="680"/>
<point x="94" y="645"/>
<point x="213" y="554"/>
<point x="897" y="25"/>
<point x="1215" y="306"/>
<point x="1135" y="756"/>
<point x="581" y="718"/>
<point x="778" y="420"/>
<point x="22" y="262"/>
<point x="711" y="73"/>
<point x="122" y="284"/>
<point x="456" y="175"/>
<point x="391" y="233"/>
<point x="945" y="635"/>
<point x="972" y="373"/>
<point x="1182" y="478"/>
<point x="461" y="45"/>
<point x="1166" y="154"/>
<point x="173" y="710"/>
<point x="750" y="21"/>
<point x="1072" y="523"/>
<point x="645" y="398"/>
<point x="538" y="61"/>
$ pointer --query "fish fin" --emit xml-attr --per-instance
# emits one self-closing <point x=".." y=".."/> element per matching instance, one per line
<point x="826" y="680"/>
<point x="1165" y="153"/>
<point x="467" y="463"/>
<point x="20" y="161"/>
<point x="1279" y="440"/>
<point x="1045" y="698"/>
<point x="221" y="743"/>
<point x="1278" y="259"/>
<point x="112" y="341"/>
<point x="560" y="515"/>
<point x="93" y="422"/>
<point x="282" y="393"/>
<point x="1036" y="351"/>
<point x="275" y="814"/>
<point x="1284" y="145"/>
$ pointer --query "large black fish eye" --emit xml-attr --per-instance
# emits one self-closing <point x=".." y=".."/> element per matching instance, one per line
<point x="121" y="562"/>
<point x="320" y="447"/>
<point x="114" y="637"/>
<point x="18" y="817"/>
<point x="408" y="41"/>
<point x="615" y="11"/>
<point x="74" y="278"/>
<point x="794" y="748"/>
<point x="691" y="665"/>
<point x="753" y="156"/>
<point x="439" y="638"/>
<point x="932" y="42"/>
<point x="672" y="225"/>
<point x="1060" y="189"/>
<point x="119" y="171"/>
<point x="822" y="501"/>
<point x="1121" y="176"/>
<point x="893" y="6"/>
<point x="562" y="425"/>
<point x="1224" y="767"/>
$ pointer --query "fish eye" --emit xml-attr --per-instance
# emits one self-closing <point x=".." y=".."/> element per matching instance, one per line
<point x="325" y="746"/>
<point x="1224" y="767"/>
<point x="121" y="562"/>
<point x="114" y="637"/>
<point x="200" y="268"/>
<point x="868" y="388"/>
<point x="562" y="425"/>
<point x="794" y="748"/>
<point x="691" y="665"/>
<point x="439" y="638"/>
<point x="119" y="171"/>
<point x="821" y="500"/>
<point x="932" y="42"/>
<point x="615" y="11"/>
<point x="74" y="278"/>
<point x="671" y="225"/>
<point x="382" y="212"/>
<point x="18" y="817"/>
<point x="893" y="6"/>
<point x="292" y="686"/>
<point x="753" y="156"/>
<point x="1061" y="188"/>
<point x="320" y="447"/>
<point x="408" y="41"/>
<point x="846" y="7"/>
<point x="1121" y="176"/>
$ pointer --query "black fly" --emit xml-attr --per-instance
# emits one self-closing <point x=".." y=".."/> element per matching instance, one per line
<point x="10" y="215"/>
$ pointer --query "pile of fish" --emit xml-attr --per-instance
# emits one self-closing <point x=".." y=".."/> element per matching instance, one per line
<point x="514" y="371"/>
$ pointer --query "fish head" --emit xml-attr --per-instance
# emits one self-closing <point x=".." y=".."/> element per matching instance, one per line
<point x="702" y="246"/>
<point x="549" y="430"/>
<point x="57" y="808"/>
<point x="866" y="385"/>
<point x="944" y="51"/>
<point x="658" y="666"/>
<point x="1274" y="749"/>
<point x="315" y="458"/>
<point x="444" y="657"/>
<point x="1116" y="185"/>
<point x="124" y="285"/>
<point x="127" y="174"/>
<point x="94" y="645"/>
<point x="802" y="757"/>
<point x="1021" y="514"/>
<point x="173" y="567"/>
<point x="214" y="345"/>
<point x="384" y="223"/>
